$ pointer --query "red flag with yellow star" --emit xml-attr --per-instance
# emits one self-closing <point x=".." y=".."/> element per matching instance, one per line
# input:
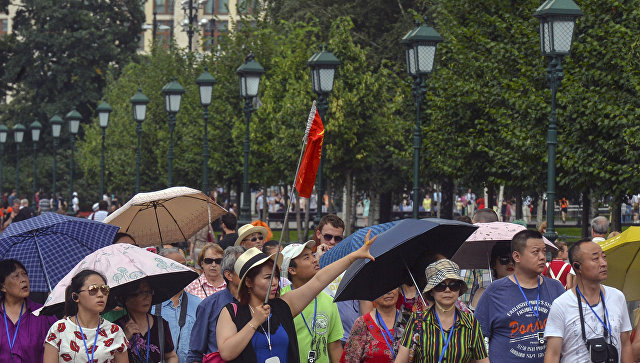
<point x="311" y="159"/>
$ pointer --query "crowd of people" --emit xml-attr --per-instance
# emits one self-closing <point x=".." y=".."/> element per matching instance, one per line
<point x="527" y="310"/>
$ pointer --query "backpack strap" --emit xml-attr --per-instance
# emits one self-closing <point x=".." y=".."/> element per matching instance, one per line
<point x="158" y="314"/>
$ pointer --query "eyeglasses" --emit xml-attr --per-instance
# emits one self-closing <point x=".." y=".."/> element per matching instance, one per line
<point x="327" y="237"/>
<point x="254" y="239"/>
<point x="209" y="261"/>
<point x="505" y="260"/>
<point x="93" y="290"/>
<point x="143" y="293"/>
<point x="452" y="285"/>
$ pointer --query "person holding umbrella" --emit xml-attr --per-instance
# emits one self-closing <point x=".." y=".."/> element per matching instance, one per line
<point x="83" y="333"/>
<point x="252" y="331"/>
<point x="443" y="333"/>
<point x="21" y="333"/>
<point x="501" y="264"/>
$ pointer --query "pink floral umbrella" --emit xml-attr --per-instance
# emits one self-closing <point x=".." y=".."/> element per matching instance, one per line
<point x="123" y="264"/>
<point x="475" y="252"/>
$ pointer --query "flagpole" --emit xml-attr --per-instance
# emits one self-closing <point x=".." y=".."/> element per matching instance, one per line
<point x="312" y="114"/>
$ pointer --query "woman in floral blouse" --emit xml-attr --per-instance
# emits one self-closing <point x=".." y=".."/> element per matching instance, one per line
<point x="371" y="339"/>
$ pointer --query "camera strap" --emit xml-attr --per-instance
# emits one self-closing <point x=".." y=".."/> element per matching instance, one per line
<point x="604" y="323"/>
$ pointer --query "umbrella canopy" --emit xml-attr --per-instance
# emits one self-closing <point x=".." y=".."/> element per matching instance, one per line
<point x="476" y="250"/>
<point x="405" y="245"/>
<point x="623" y="261"/>
<point x="123" y="264"/>
<point x="166" y="216"/>
<point x="352" y="243"/>
<point x="50" y="244"/>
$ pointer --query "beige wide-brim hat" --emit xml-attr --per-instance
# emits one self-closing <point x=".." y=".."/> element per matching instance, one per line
<point x="442" y="270"/>
<point x="251" y="258"/>
<point x="247" y="229"/>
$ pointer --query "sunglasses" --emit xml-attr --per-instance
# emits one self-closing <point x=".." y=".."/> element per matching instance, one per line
<point x="254" y="239"/>
<point x="93" y="290"/>
<point x="209" y="261"/>
<point x="327" y="237"/>
<point x="452" y="285"/>
<point x="505" y="260"/>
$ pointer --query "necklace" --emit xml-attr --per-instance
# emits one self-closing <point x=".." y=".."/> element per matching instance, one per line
<point x="443" y="309"/>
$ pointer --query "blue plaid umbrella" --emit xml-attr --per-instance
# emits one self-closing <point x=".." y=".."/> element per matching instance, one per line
<point x="51" y="244"/>
<point x="352" y="243"/>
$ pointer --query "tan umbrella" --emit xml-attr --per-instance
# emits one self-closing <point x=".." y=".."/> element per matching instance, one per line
<point x="166" y="216"/>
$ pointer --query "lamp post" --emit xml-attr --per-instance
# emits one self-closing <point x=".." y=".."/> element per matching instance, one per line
<point x="420" y="51"/>
<point x="249" y="75"/>
<point x="35" y="128"/>
<point x="190" y="9"/>
<point x="172" y="92"/>
<point x="18" y="135"/>
<point x="557" y="22"/>
<point x="4" y="130"/>
<point x="139" y="107"/>
<point x="73" y="118"/>
<point x="205" y="84"/>
<point x="104" y="109"/>
<point x="323" y="69"/>
<point x="56" y="128"/>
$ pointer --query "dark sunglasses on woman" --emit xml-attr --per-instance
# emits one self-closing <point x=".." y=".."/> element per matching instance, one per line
<point x="452" y="285"/>
<point x="93" y="290"/>
<point x="209" y="261"/>
<point x="505" y="260"/>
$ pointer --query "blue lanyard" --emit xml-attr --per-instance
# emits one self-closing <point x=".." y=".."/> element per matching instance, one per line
<point x="6" y="326"/>
<point x="606" y="313"/>
<point x="386" y="333"/>
<point x="148" y="337"/>
<point x="444" y="349"/>
<point x="313" y="325"/>
<point x="535" y="312"/>
<point x="95" y="341"/>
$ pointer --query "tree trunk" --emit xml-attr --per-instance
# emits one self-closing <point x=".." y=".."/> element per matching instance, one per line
<point x="385" y="207"/>
<point x="595" y="203"/>
<point x="446" y="204"/>
<point x="285" y="227"/>
<point x="373" y="210"/>
<point x="298" y="218"/>
<point x="500" y="200"/>
<point x="307" y="217"/>
<point x="265" y="205"/>
<point x="348" y="211"/>
<point x="616" y="222"/>
<point x="329" y="193"/>
<point x="539" y="209"/>
<point x="491" y="193"/>
<point x="238" y="201"/>
<point x="518" y="193"/>
<point x="586" y="209"/>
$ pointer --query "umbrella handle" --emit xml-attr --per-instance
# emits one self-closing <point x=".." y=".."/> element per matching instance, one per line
<point x="418" y="291"/>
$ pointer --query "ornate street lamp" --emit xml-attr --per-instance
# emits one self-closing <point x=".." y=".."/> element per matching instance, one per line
<point x="205" y="84"/>
<point x="172" y="92"/>
<point x="557" y="22"/>
<point x="4" y="130"/>
<point x="104" y="110"/>
<point x="56" y="128"/>
<point x="190" y="9"/>
<point x="18" y="135"/>
<point x="73" y="118"/>
<point x="35" y="128"/>
<point x="249" y="75"/>
<point x="323" y="70"/>
<point x="139" y="107"/>
<point x="420" y="52"/>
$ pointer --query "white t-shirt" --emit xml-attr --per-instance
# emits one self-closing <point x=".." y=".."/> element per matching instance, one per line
<point x="564" y="322"/>
<point x="98" y="216"/>
<point x="65" y="336"/>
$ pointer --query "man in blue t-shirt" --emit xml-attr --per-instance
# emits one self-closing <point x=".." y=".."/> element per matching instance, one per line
<point x="513" y="310"/>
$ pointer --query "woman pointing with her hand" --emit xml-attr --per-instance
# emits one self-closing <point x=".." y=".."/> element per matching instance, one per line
<point x="256" y="332"/>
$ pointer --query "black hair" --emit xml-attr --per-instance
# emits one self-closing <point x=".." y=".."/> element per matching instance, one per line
<point x="498" y="250"/>
<point x="243" y="290"/>
<point x="560" y="245"/>
<point x="7" y="267"/>
<point x="103" y="205"/>
<point x="575" y="249"/>
<point x="230" y="221"/>
<point x="119" y="235"/>
<point x="519" y="241"/>
<point x="268" y="245"/>
<point x="70" y="304"/>
<point x="485" y="215"/>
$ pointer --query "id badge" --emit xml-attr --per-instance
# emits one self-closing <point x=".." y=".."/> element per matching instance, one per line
<point x="541" y="338"/>
<point x="272" y="360"/>
<point x="311" y="357"/>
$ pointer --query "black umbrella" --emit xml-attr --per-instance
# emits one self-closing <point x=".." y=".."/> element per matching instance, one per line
<point x="408" y="246"/>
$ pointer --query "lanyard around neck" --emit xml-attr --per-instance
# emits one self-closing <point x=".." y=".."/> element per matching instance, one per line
<point x="448" y="339"/>
<point x="6" y="326"/>
<point x="312" y="330"/>
<point x="95" y="340"/>
<point x="537" y="311"/>
<point x="386" y="333"/>
<point x="605" y="316"/>
<point x="148" y="340"/>
<point x="267" y="333"/>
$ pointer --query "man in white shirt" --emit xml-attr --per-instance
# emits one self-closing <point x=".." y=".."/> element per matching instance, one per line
<point x="601" y="311"/>
<point x="100" y="214"/>
<point x="75" y="203"/>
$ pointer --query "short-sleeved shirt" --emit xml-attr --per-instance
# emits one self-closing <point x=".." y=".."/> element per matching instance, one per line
<point x="66" y="337"/>
<point x="367" y="343"/>
<point x="424" y="335"/>
<point x="327" y="328"/>
<point x="138" y="343"/>
<point x="180" y="335"/>
<point x="564" y="322"/>
<point x="509" y="323"/>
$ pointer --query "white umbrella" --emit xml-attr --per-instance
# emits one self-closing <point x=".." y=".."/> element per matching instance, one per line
<point x="166" y="216"/>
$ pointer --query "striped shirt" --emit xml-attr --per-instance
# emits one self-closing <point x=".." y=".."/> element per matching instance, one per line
<point x="423" y="332"/>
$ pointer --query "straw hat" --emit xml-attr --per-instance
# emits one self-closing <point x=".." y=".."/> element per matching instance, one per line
<point x="442" y="270"/>
<point x="292" y="251"/>
<point x="251" y="258"/>
<point x="247" y="229"/>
